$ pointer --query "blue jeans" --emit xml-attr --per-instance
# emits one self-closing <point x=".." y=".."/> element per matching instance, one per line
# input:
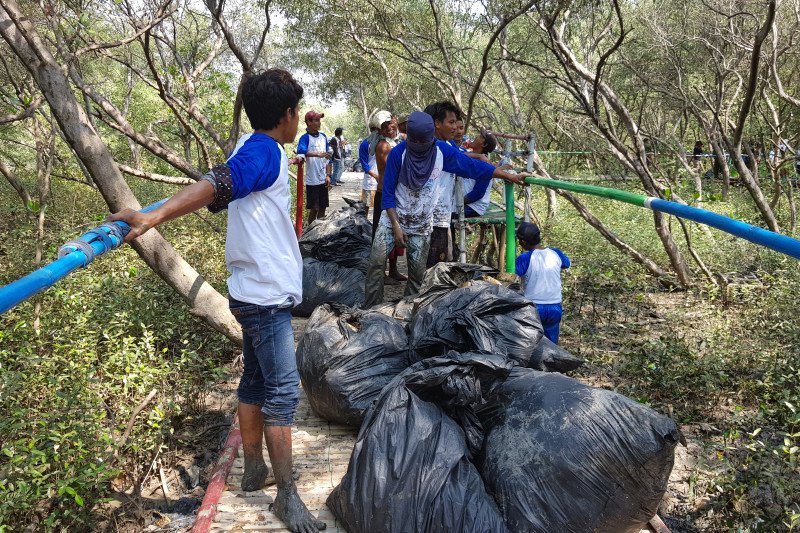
<point x="270" y="377"/>
<point x="550" y="315"/>
<point x="338" y="168"/>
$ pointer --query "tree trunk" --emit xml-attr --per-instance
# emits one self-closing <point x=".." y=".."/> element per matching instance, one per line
<point x="721" y="165"/>
<point x="754" y="189"/>
<point x="204" y="301"/>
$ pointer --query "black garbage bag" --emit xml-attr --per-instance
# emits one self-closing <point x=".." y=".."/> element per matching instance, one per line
<point x="551" y="357"/>
<point x="482" y="317"/>
<point x="343" y="237"/>
<point x="328" y="282"/>
<point x="345" y="357"/>
<point x="410" y="470"/>
<point x="398" y="310"/>
<point x="444" y="277"/>
<point x="562" y="456"/>
<point x="438" y="281"/>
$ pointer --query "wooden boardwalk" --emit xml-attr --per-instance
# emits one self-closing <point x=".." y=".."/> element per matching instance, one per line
<point x="321" y="453"/>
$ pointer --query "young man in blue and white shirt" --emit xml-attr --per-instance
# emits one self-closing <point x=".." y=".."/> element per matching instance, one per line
<point x="266" y="281"/>
<point x="412" y="186"/>
<point x="313" y="147"/>
<point x="540" y="268"/>
<point x="446" y="116"/>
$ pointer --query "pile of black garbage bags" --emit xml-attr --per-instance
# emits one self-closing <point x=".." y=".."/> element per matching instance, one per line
<point x="335" y="252"/>
<point x="467" y="423"/>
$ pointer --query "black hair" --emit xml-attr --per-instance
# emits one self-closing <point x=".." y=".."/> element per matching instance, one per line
<point x="338" y="131"/>
<point x="529" y="234"/>
<point x="439" y="110"/>
<point x="489" y="142"/>
<point x="266" y="97"/>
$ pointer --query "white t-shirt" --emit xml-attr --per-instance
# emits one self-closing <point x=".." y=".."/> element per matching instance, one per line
<point x="261" y="250"/>
<point x="542" y="279"/>
<point x="442" y="212"/>
<point x="415" y="208"/>
<point x="370" y="183"/>
<point x="479" y="206"/>
<point x="315" y="166"/>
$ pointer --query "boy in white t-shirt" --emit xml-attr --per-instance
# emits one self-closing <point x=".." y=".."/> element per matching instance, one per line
<point x="539" y="269"/>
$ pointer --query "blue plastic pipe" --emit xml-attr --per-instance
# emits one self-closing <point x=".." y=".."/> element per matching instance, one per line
<point x="770" y="239"/>
<point x="18" y="291"/>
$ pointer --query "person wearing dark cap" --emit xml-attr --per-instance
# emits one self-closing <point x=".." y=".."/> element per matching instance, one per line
<point x="313" y="147"/>
<point x="477" y="195"/>
<point x="411" y="188"/>
<point x="338" y="145"/>
<point x="539" y="269"/>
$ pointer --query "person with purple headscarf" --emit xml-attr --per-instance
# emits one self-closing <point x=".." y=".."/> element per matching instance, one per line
<point x="411" y="188"/>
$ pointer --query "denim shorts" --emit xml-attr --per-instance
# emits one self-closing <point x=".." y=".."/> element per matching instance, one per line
<point x="270" y="377"/>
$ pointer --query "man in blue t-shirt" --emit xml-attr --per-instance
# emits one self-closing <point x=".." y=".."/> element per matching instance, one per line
<point x="263" y="257"/>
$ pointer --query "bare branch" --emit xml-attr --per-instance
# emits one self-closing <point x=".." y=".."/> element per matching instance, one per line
<point x="152" y="176"/>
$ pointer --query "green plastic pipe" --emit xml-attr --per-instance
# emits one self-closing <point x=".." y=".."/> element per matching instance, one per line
<point x="594" y="190"/>
<point x="511" y="240"/>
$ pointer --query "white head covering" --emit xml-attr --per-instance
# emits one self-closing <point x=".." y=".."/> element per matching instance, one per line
<point x="379" y="118"/>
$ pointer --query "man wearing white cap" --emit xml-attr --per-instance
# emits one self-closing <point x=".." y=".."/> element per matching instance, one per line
<point x="370" y="185"/>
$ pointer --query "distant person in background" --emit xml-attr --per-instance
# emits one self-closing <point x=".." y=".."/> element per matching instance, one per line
<point x="337" y="145"/>
<point x="696" y="153"/>
<point x="539" y="269"/>
<point x="369" y="185"/>
<point x="458" y="137"/>
<point x="797" y="162"/>
<point x="313" y="147"/>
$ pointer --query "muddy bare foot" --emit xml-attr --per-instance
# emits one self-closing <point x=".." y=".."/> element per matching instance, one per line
<point x="293" y="512"/>
<point x="255" y="476"/>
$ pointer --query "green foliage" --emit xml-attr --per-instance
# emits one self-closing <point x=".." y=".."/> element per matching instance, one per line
<point x="108" y="335"/>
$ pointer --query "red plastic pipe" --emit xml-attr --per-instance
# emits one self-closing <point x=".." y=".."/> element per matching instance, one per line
<point x="208" y="509"/>
<point x="298" y="218"/>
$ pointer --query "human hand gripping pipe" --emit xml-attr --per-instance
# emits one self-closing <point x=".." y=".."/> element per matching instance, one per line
<point x="73" y="255"/>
